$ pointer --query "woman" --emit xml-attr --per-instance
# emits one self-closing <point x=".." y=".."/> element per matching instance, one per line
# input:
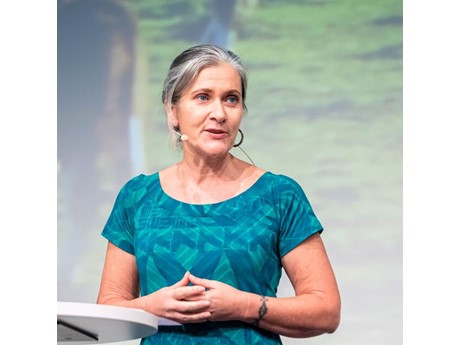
<point x="204" y="241"/>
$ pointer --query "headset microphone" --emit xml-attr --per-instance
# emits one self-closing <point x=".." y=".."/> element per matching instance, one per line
<point x="184" y="138"/>
<point x="181" y="137"/>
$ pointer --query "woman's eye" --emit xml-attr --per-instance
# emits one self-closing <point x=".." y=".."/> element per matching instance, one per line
<point x="202" y="98"/>
<point x="232" y="99"/>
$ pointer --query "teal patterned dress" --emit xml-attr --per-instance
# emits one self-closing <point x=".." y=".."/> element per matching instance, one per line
<point x="239" y="241"/>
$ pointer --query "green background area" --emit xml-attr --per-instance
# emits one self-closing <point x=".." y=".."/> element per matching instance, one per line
<point x="325" y="107"/>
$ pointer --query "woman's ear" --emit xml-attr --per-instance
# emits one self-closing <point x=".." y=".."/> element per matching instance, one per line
<point x="171" y="114"/>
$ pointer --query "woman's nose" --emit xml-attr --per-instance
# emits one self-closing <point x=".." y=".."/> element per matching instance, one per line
<point x="218" y="112"/>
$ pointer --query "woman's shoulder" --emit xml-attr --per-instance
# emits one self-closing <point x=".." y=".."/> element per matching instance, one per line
<point x="140" y="182"/>
<point x="279" y="179"/>
<point x="281" y="185"/>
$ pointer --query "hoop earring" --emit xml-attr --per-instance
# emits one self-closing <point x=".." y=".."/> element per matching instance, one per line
<point x="241" y="140"/>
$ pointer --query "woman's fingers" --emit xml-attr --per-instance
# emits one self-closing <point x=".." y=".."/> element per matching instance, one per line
<point x="208" y="284"/>
<point x="190" y="318"/>
<point x="184" y="281"/>
<point x="187" y="307"/>
<point x="186" y="311"/>
<point x="188" y="300"/>
<point x="188" y="293"/>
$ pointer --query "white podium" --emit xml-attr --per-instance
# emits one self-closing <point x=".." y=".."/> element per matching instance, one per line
<point x="87" y="323"/>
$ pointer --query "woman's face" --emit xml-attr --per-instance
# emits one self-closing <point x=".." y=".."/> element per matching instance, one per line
<point x="210" y="111"/>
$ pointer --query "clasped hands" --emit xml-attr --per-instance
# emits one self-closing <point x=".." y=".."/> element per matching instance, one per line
<point x="203" y="300"/>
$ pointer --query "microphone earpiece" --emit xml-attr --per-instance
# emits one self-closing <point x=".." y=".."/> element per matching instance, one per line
<point x="181" y="137"/>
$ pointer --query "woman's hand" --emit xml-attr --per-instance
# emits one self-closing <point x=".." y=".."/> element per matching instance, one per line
<point x="226" y="302"/>
<point x="180" y="302"/>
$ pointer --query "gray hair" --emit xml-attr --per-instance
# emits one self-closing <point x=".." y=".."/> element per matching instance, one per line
<point x="186" y="66"/>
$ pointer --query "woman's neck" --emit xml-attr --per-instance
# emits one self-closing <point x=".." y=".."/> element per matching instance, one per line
<point x="195" y="183"/>
<point x="199" y="171"/>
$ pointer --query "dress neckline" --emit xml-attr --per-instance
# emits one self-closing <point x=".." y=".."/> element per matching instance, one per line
<point x="247" y="190"/>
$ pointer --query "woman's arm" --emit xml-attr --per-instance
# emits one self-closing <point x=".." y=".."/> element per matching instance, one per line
<point x="120" y="286"/>
<point x="314" y="310"/>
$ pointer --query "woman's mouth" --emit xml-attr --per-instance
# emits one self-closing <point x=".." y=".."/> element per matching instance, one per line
<point x="216" y="133"/>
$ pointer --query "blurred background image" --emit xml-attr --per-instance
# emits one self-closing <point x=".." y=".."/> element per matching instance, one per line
<point x="324" y="107"/>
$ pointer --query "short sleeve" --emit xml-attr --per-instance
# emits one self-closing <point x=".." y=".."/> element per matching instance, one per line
<point x="296" y="216"/>
<point x="119" y="226"/>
